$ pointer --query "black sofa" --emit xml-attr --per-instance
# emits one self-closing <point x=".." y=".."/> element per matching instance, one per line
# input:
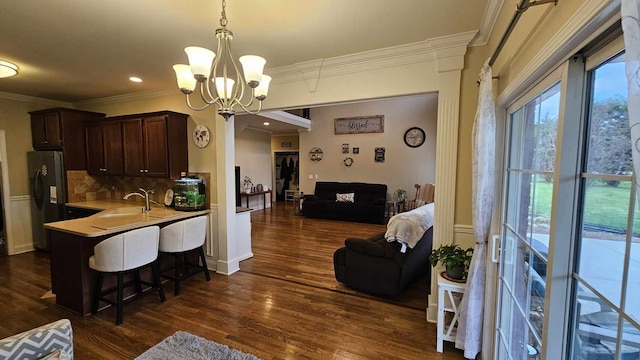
<point x="378" y="267"/>
<point x="368" y="206"/>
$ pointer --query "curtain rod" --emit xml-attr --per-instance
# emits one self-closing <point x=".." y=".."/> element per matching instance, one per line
<point x="520" y="9"/>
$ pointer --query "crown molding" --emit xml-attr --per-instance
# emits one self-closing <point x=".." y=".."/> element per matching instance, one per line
<point x="33" y="99"/>
<point x="429" y="50"/>
<point x="127" y="97"/>
<point x="489" y="19"/>
<point x="450" y="50"/>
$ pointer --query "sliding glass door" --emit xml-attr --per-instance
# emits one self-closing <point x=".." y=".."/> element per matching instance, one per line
<point x="529" y="183"/>
<point x="569" y="281"/>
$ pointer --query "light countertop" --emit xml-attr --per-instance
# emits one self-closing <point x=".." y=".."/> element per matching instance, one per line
<point x="118" y="216"/>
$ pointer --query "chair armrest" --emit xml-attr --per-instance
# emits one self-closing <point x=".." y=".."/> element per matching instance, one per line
<point x="363" y="246"/>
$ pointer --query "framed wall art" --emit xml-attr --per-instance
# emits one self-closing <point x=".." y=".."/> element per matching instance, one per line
<point x="359" y="125"/>
<point x="379" y="155"/>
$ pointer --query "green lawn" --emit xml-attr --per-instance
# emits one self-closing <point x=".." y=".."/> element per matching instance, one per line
<point x="604" y="205"/>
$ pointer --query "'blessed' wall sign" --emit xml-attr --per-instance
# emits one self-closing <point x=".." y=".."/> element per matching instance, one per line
<point x="359" y="125"/>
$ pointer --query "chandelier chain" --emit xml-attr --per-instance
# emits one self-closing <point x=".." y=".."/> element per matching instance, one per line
<point x="223" y="19"/>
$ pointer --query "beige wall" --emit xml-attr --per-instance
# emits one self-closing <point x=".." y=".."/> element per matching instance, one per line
<point x="277" y="140"/>
<point x="253" y="155"/>
<point x="403" y="166"/>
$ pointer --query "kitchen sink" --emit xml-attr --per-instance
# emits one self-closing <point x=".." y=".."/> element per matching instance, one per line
<point x="123" y="211"/>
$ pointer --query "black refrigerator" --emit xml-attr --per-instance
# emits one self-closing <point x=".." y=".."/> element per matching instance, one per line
<point x="48" y="188"/>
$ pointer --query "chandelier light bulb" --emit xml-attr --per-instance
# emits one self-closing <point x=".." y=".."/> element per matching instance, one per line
<point x="220" y="87"/>
<point x="200" y="60"/>
<point x="252" y="66"/>
<point x="263" y="88"/>
<point x="186" y="80"/>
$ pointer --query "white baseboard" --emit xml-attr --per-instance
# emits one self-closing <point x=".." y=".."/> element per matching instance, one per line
<point x="20" y="238"/>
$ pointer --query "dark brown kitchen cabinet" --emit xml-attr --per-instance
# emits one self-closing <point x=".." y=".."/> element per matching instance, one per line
<point x="62" y="129"/>
<point x="104" y="147"/>
<point x="155" y="144"/>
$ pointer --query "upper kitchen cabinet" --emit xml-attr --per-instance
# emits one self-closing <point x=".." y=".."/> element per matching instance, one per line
<point x="62" y="129"/>
<point x="104" y="147"/>
<point x="155" y="144"/>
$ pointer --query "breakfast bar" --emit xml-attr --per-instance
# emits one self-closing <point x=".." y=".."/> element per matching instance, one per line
<point x="72" y="243"/>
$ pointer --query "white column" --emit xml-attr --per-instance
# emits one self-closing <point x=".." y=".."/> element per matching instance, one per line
<point x="228" y="262"/>
<point x="450" y="64"/>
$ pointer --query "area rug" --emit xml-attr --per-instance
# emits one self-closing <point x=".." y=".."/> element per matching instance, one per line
<point x="183" y="345"/>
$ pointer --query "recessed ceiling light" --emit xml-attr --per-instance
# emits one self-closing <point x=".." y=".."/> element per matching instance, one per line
<point x="266" y="123"/>
<point x="7" y="69"/>
<point x="135" y="79"/>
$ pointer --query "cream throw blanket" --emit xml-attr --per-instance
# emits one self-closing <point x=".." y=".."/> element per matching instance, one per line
<point x="408" y="227"/>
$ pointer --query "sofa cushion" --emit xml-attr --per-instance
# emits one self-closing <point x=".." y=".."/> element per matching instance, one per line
<point x="39" y="342"/>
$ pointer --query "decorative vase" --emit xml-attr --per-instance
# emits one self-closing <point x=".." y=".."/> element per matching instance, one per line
<point x="455" y="272"/>
<point x="247" y="190"/>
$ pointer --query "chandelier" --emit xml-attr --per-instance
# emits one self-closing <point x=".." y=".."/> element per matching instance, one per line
<point x="220" y="80"/>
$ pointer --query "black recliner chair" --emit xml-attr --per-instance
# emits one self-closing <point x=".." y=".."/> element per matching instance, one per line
<point x="378" y="267"/>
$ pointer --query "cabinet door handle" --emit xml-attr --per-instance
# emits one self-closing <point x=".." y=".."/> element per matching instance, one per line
<point x="141" y="170"/>
<point x="146" y="170"/>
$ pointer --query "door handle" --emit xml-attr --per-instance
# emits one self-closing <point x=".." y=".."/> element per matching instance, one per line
<point x="37" y="188"/>
<point x="495" y="249"/>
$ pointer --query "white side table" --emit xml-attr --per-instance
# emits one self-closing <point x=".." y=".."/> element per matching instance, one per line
<point x="449" y="297"/>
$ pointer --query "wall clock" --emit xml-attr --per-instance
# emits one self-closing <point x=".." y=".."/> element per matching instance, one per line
<point x="201" y="136"/>
<point x="414" y="137"/>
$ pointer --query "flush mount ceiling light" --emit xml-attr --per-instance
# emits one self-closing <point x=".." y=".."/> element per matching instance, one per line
<point x="266" y="123"/>
<point x="7" y="69"/>
<point x="135" y="79"/>
<point x="206" y="72"/>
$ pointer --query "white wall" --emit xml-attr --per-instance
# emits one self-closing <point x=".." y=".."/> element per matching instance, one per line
<point x="253" y="155"/>
<point x="403" y="166"/>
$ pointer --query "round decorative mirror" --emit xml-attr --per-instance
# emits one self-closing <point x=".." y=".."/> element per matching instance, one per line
<point x="315" y="154"/>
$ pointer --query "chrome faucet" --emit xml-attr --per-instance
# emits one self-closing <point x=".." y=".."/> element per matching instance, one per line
<point x="147" y="201"/>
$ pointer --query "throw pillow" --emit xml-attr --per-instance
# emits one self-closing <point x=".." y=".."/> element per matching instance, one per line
<point x="345" y="197"/>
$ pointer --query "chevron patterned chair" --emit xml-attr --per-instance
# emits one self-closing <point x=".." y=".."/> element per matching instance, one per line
<point x="50" y="341"/>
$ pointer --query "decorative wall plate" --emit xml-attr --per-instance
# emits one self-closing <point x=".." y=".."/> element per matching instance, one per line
<point x="201" y="136"/>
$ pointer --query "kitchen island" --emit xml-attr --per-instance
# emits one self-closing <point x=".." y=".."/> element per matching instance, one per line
<point x="72" y="243"/>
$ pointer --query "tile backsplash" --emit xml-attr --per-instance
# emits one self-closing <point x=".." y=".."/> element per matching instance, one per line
<point x="84" y="187"/>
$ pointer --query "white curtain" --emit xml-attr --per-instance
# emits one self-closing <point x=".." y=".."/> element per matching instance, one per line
<point x="631" y="27"/>
<point x="471" y="318"/>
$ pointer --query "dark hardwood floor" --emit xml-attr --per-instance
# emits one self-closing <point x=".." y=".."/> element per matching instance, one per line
<point x="281" y="305"/>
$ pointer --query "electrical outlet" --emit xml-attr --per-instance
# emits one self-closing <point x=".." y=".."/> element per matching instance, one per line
<point x="310" y="176"/>
<point x="316" y="176"/>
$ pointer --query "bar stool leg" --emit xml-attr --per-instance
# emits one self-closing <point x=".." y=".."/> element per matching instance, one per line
<point x="156" y="281"/>
<point x="97" y="293"/>
<point x="176" y="275"/>
<point x="204" y="264"/>
<point x="136" y="275"/>
<point x="120" y="299"/>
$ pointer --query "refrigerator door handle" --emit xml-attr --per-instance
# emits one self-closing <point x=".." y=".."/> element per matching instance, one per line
<point x="37" y="188"/>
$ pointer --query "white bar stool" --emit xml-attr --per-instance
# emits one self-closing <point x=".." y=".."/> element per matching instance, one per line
<point x="180" y="238"/>
<point x="121" y="254"/>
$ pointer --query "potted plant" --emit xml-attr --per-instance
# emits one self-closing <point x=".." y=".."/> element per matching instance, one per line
<point x="455" y="259"/>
